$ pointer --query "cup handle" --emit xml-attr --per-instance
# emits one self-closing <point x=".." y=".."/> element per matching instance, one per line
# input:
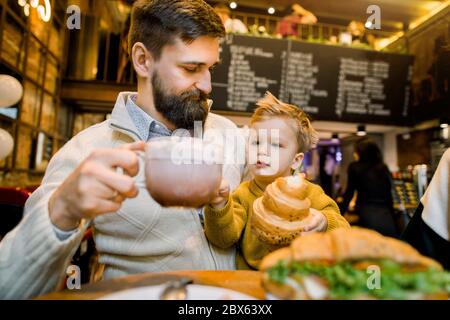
<point x="141" y="155"/>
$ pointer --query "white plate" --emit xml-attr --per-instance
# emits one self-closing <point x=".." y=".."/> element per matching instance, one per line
<point x="270" y="296"/>
<point x="195" y="292"/>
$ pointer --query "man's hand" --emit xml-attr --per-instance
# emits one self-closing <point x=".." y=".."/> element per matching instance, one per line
<point x="318" y="223"/>
<point x="94" y="187"/>
<point x="222" y="195"/>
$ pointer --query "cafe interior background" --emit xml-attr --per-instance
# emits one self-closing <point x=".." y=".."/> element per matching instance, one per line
<point x="71" y="77"/>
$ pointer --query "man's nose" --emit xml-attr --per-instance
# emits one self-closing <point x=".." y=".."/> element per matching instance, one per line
<point x="204" y="83"/>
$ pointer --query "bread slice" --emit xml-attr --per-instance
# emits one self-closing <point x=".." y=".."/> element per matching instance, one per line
<point x="356" y="244"/>
<point x="361" y="247"/>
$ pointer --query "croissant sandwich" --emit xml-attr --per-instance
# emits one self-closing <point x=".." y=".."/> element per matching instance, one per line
<point x="281" y="213"/>
<point x="352" y="264"/>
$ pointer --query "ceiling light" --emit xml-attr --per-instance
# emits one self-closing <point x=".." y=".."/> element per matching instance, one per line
<point x="233" y="5"/>
<point x="335" y="138"/>
<point x="44" y="10"/>
<point x="271" y="10"/>
<point x="361" y="132"/>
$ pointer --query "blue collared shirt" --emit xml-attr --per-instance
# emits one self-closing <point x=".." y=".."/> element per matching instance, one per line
<point x="147" y="127"/>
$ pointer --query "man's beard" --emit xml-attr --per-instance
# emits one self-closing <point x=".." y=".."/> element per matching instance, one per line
<point x="180" y="110"/>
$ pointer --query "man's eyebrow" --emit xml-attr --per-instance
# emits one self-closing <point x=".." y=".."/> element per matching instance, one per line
<point x="197" y="63"/>
<point x="193" y="62"/>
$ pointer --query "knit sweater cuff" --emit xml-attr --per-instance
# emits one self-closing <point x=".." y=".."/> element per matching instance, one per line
<point x="39" y="232"/>
<point x="332" y="220"/>
<point x="218" y="213"/>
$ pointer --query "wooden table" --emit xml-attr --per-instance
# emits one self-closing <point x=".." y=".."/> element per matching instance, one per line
<point x="247" y="282"/>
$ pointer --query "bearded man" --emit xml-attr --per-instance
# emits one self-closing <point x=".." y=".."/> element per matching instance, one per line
<point x="174" y="45"/>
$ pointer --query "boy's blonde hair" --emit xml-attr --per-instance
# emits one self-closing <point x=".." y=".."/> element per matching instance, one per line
<point x="270" y="106"/>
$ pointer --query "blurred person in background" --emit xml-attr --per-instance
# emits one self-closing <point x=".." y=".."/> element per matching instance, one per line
<point x="371" y="179"/>
<point x="231" y="25"/>
<point x="288" y="26"/>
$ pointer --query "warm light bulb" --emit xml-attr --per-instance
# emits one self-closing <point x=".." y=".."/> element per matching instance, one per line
<point x="271" y="10"/>
<point x="26" y="9"/>
<point x="45" y="12"/>
<point x="335" y="138"/>
<point x="233" y="5"/>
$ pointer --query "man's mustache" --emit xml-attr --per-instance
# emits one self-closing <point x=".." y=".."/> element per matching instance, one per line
<point x="195" y="95"/>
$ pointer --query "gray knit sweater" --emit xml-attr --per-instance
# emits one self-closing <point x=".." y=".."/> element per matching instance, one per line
<point x="141" y="237"/>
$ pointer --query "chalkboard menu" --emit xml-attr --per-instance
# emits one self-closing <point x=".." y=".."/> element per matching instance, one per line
<point x="328" y="82"/>
<point x="249" y="67"/>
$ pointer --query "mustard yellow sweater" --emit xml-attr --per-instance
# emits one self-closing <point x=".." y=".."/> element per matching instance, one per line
<point x="232" y="224"/>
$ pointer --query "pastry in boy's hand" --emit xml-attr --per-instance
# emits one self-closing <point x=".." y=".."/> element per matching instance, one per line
<point x="281" y="213"/>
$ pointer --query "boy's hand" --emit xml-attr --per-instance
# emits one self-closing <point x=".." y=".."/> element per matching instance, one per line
<point x="318" y="223"/>
<point x="222" y="195"/>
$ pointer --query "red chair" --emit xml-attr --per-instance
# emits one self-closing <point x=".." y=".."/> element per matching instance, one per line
<point x="12" y="203"/>
<point x="32" y="188"/>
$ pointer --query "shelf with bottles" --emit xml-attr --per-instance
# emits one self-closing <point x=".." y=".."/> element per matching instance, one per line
<point x="404" y="191"/>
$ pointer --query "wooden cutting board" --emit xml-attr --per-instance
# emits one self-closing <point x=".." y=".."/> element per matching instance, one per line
<point x="247" y="282"/>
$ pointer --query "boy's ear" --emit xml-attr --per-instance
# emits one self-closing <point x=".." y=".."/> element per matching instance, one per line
<point x="142" y="60"/>
<point x="298" y="159"/>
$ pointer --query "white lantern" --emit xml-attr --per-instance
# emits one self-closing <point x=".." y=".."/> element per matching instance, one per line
<point x="6" y="143"/>
<point x="10" y="91"/>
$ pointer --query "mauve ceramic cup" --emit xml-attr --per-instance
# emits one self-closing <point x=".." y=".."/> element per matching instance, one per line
<point x="184" y="172"/>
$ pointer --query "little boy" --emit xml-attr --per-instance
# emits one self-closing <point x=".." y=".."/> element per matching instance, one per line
<point x="280" y="135"/>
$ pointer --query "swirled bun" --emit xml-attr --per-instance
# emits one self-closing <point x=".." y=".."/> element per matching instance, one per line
<point x="281" y="213"/>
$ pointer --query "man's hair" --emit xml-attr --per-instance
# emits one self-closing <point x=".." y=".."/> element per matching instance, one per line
<point x="269" y="106"/>
<point x="157" y="23"/>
